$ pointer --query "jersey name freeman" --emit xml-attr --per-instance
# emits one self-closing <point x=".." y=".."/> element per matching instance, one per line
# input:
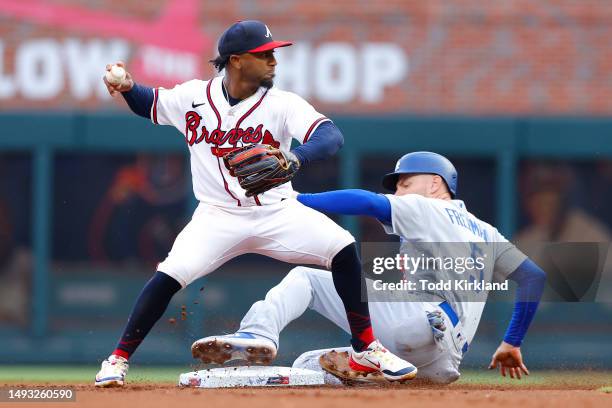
<point x="472" y="225"/>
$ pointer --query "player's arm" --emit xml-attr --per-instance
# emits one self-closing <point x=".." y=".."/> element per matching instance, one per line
<point x="140" y="100"/>
<point x="138" y="97"/>
<point x="324" y="142"/>
<point x="318" y="136"/>
<point x="350" y="202"/>
<point x="530" y="280"/>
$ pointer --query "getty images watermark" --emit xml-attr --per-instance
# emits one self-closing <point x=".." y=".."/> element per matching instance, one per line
<point x="476" y="272"/>
<point x="411" y="265"/>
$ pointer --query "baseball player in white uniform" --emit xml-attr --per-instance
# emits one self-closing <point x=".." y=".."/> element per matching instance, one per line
<point x="435" y="334"/>
<point x="217" y="117"/>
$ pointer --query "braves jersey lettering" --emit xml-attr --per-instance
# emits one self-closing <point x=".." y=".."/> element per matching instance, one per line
<point x="219" y="137"/>
<point x="214" y="128"/>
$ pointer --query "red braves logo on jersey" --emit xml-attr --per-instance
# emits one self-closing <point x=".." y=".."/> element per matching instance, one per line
<point x="220" y="137"/>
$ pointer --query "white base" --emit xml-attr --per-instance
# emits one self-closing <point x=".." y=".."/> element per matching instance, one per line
<point x="227" y="377"/>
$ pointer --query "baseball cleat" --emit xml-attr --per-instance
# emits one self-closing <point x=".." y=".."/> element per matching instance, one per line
<point x="337" y="364"/>
<point x="113" y="372"/>
<point x="238" y="346"/>
<point x="377" y="358"/>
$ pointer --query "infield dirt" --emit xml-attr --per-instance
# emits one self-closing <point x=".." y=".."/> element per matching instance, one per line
<point x="456" y="396"/>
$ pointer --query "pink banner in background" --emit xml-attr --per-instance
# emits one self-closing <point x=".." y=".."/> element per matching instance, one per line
<point x="459" y="57"/>
<point x="166" y="51"/>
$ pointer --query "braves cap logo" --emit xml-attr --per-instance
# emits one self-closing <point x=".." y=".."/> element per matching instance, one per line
<point x="268" y="33"/>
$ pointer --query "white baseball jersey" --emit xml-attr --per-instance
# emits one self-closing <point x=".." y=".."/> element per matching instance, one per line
<point x="212" y="128"/>
<point x="419" y="219"/>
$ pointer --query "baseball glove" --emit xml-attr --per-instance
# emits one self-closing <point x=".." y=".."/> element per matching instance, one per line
<point x="261" y="167"/>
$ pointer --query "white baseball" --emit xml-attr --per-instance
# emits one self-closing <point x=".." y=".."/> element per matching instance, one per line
<point x="116" y="75"/>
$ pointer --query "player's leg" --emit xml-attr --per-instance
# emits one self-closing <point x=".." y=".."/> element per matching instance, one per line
<point x="148" y="309"/>
<point x="400" y="326"/>
<point x="257" y="340"/>
<point x="295" y="233"/>
<point x="437" y="356"/>
<point x="440" y="371"/>
<point x="314" y="288"/>
<point x="309" y="360"/>
<point x="201" y="247"/>
<point x="298" y="234"/>
<point x="409" y="332"/>
<point x="283" y="303"/>
<point x="403" y="326"/>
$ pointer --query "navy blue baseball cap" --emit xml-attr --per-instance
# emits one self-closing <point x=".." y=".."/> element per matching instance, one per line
<point x="248" y="36"/>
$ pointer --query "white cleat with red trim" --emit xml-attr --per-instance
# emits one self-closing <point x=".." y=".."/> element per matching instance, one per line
<point x="377" y="358"/>
<point x="113" y="372"/>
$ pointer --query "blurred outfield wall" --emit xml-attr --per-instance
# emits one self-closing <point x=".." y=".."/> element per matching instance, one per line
<point x="516" y="93"/>
<point x="95" y="201"/>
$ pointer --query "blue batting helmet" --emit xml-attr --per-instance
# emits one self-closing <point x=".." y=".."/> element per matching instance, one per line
<point x="423" y="163"/>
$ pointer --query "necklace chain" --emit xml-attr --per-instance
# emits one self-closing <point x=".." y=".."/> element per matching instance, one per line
<point x="225" y="93"/>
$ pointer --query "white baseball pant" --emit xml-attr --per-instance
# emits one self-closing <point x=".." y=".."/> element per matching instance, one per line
<point x="287" y="231"/>
<point x="403" y="327"/>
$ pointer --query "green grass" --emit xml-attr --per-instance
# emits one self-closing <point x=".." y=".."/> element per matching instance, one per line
<point x="170" y="374"/>
<point x="576" y="378"/>
<point x="85" y="374"/>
